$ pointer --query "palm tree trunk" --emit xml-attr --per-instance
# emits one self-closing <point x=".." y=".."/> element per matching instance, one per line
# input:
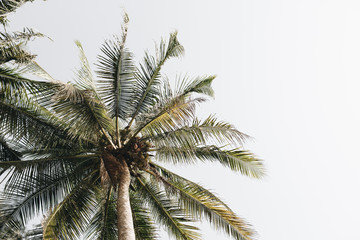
<point x="124" y="214"/>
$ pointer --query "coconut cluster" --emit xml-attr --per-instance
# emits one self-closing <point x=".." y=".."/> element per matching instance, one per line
<point x="135" y="153"/>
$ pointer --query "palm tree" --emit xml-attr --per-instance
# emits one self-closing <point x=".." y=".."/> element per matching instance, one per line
<point x="88" y="154"/>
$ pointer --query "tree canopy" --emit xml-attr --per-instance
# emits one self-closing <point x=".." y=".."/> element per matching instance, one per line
<point x="77" y="151"/>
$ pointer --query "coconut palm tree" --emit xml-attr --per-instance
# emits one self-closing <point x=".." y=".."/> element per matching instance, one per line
<point x="89" y="154"/>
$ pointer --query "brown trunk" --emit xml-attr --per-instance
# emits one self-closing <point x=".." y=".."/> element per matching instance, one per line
<point x="124" y="214"/>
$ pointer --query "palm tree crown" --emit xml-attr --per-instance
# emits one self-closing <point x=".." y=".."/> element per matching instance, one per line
<point x="88" y="154"/>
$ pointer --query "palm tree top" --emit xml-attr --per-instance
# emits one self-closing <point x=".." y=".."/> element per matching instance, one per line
<point x="89" y="153"/>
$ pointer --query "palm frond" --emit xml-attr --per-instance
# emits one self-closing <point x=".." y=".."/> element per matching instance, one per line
<point x="12" y="45"/>
<point x="166" y="212"/>
<point x="200" y="85"/>
<point x="167" y="117"/>
<point x="26" y="197"/>
<point x="26" y="173"/>
<point x="24" y="36"/>
<point x="35" y="69"/>
<point x="36" y="163"/>
<point x="8" y="6"/>
<point x="23" y="120"/>
<point x="237" y="160"/>
<point x="174" y="108"/>
<point x="21" y="232"/>
<point x="35" y="233"/>
<point x="76" y="107"/>
<point x="143" y="222"/>
<point x="200" y="202"/>
<point x="8" y="153"/>
<point x="70" y="217"/>
<point x="116" y="72"/>
<point x="103" y="225"/>
<point x="12" y="83"/>
<point x="199" y="133"/>
<point x="83" y="77"/>
<point x="148" y="75"/>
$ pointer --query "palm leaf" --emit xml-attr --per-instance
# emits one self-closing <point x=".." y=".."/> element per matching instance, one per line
<point x="199" y="133"/>
<point x="7" y="153"/>
<point x="165" y="211"/>
<point x="201" y="85"/>
<point x="143" y="222"/>
<point x="41" y="161"/>
<point x="21" y="232"/>
<point x="25" y="198"/>
<point x="174" y="108"/>
<point x="12" y="45"/>
<point x="35" y="69"/>
<point x="236" y="160"/>
<point x="35" y="233"/>
<point x="116" y="72"/>
<point x="200" y="202"/>
<point x="71" y="216"/>
<point x="103" y="225"/>
<point x="24" y="120"/>
<point x="83" y="76"/>
<point x="167" y="117"/>
<point x="8" y="6"/>
<point x="13" y="84"/>
<point x="148" y="75"/>
<point x="76" y="107"/>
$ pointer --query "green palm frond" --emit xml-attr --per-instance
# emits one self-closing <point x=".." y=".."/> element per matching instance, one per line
<point x="24" y="120"/>
<point x="237" y="160"/>
<point x="36" y="163"/>
<point x="75" y="107"/>
<point x="143" y="222"/>
<point x="201" y="85"/>
<point x="83" y="77"/>
<point x="8" y="153"/>
<point x="12" y="46"/>
<point x="166" y="212"/>
<point x="174" y="108"/>
<point x="167" y="117"/>
<point x="26" y="197"/>
<point x="27" y="34"/>
<point x="208" y="131"/>
<point x="116" y="73"/>
<point x="70" y="217"/>
<point x="15" y="52"/>
<point x="63" y="170"/>
<point x="103" y="225"/>
<point x="33" y="68"/>
<point x="12" y="83"/>
<point x="200" y="202"/>
<point x="33" y="232"/>
<point x="148" y="75"/>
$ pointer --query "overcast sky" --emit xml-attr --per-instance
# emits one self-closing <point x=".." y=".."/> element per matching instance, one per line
<point x="288" y="75"/>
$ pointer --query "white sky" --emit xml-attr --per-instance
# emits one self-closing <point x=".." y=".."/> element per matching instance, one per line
<point x="288" y="75"/>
